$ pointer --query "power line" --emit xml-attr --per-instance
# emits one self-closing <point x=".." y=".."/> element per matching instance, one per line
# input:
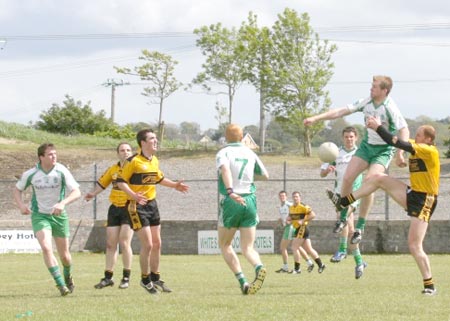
<point x="186" y="34"/>
<point x="395" y="43"/>
<point x="413" y="81"/>
<point x="377" y="28"/>
<point x="97" y="36"/>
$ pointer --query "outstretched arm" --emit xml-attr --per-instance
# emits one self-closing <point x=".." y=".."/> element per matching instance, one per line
<point x="178" y="185"/>
<point x="390" y="139"/>
<point x="331" y="114"/>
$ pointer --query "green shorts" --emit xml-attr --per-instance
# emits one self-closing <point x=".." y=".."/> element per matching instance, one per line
<point x="288" y="233"/>
<point x="235" y="215"/>
<point x="375" y="154"/>
<point x="59" y="225"/>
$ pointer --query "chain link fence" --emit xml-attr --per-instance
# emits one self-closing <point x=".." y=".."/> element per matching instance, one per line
<point x="202" y="201"/>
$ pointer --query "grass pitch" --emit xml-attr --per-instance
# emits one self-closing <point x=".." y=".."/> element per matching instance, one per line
<point x="204" y="289"/>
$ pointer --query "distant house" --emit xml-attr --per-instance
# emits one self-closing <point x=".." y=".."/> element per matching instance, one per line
<point x="206" y="141"/>
<point x="249" y="142"/>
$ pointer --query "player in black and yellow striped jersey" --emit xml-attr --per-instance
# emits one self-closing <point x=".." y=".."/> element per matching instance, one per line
<point x="118" y="229"/>
<point x="419" y="199"/>
<point x="299" y="216"/>
<point x="138" y="179"/>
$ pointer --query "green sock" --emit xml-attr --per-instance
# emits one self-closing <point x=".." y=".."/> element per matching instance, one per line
<point x="241" y="278"/>
<point x="258" y="267"/>
<point x="357" y="256"/>
<point x="361" y="224"/>
<point x="56" y="274"/>
<point x="343" y="244"/>
<point x="67" y="270"/>
<point x="344" y="214"/>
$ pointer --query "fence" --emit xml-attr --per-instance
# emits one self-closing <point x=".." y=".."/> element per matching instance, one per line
<point x="201" y="203"/>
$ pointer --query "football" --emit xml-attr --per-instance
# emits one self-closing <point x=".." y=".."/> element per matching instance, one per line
<point x="328" y="152"/>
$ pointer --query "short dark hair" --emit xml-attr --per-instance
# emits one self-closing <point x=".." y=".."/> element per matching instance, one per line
<point x="120" y="144"/>
<point x="41" y="149"/>
<point x="282" y="192"/>
<point x="142" y="135"/>
<point x="350" y="129"/>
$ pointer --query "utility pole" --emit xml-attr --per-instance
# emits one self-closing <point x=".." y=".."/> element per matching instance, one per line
<point x="113" y="83"/>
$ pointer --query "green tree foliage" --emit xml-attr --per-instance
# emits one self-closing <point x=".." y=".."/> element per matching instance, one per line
<point x="158" y="69"/>
<point x="141" y="125"/>
<point x="258" y="47"/>
<point x="190" y="131"/>
<point x="224" y="63"/>
<point x="118" y="132"/>
<point x="302" y="68"/>
<point x="72" y="118"/>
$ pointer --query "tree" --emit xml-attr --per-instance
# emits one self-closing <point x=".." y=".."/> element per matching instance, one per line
<point x="158" y="69"/>
<point x="190" y="131"/>
<point x="224" y="61"/>
<point x="258" y="46"/>
<point x="221" y="117"/>
<point x="73" y="118"/>
<point x="302" y="68"/>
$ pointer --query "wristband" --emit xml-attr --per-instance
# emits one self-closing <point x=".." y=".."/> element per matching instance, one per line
<point x="230" y="191"/>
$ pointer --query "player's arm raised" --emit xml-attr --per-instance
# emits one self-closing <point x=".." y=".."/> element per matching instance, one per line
<point x="330" y="114"/>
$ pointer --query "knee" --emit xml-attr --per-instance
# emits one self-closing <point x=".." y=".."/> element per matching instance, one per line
<point x="414" y="248"/>
<point x="111" y="246"/>
<point x="156" y="245"/>
<point x="66" y="258"/>
<point x="375" y="178"/>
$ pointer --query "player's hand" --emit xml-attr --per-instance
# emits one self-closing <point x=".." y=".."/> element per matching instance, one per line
<point x="373" y="122"/>
<point x="57" y="209"/>
<point x="181" y="187"/>
<point x="400" y="160"/>
<point x="238" y="199"/>
<point x="25" y="210"/>
<point x="308" y="121"/>
<point x="140" y="199"/>
<point x="88" y="197"/>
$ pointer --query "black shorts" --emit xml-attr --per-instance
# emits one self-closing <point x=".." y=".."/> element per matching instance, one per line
<point x="143" y="215"/>
<point x="420" y="205"/>
<point x="302" y="232"/>
<point x="118" y="216"/>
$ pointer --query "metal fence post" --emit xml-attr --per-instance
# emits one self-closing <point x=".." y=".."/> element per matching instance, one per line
<point x="284" y="175"/>
<point x="386" y="202"/>
<point x="94" y="203"/>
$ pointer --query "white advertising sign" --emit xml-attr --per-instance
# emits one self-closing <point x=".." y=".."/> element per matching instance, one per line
<point x="208" y="242"/>
<point x="18" y="241"/>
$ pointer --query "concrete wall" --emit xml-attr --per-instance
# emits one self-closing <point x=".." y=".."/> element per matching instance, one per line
<point x="180" y="237"/>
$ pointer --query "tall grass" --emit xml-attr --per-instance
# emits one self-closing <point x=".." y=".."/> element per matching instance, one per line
<point x="204" y="289"/>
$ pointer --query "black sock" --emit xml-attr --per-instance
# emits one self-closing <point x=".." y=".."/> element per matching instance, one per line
<point x="318" y="261"/>
<point x="126" y="273"/>
<point x="108" y="275"/>
<point x="347" y="200"/>
<point x="145" y="278"/>
<point x="154" y="276"/>
<point x="428" y="283"/>
<point x="296" y="266"/>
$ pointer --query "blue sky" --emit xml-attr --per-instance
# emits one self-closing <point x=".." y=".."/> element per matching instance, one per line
<point x="52" y="48"/>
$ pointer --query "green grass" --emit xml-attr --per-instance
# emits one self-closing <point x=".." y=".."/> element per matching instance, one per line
<point x="204" y="289"/>
<point x="29" y="137"/>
